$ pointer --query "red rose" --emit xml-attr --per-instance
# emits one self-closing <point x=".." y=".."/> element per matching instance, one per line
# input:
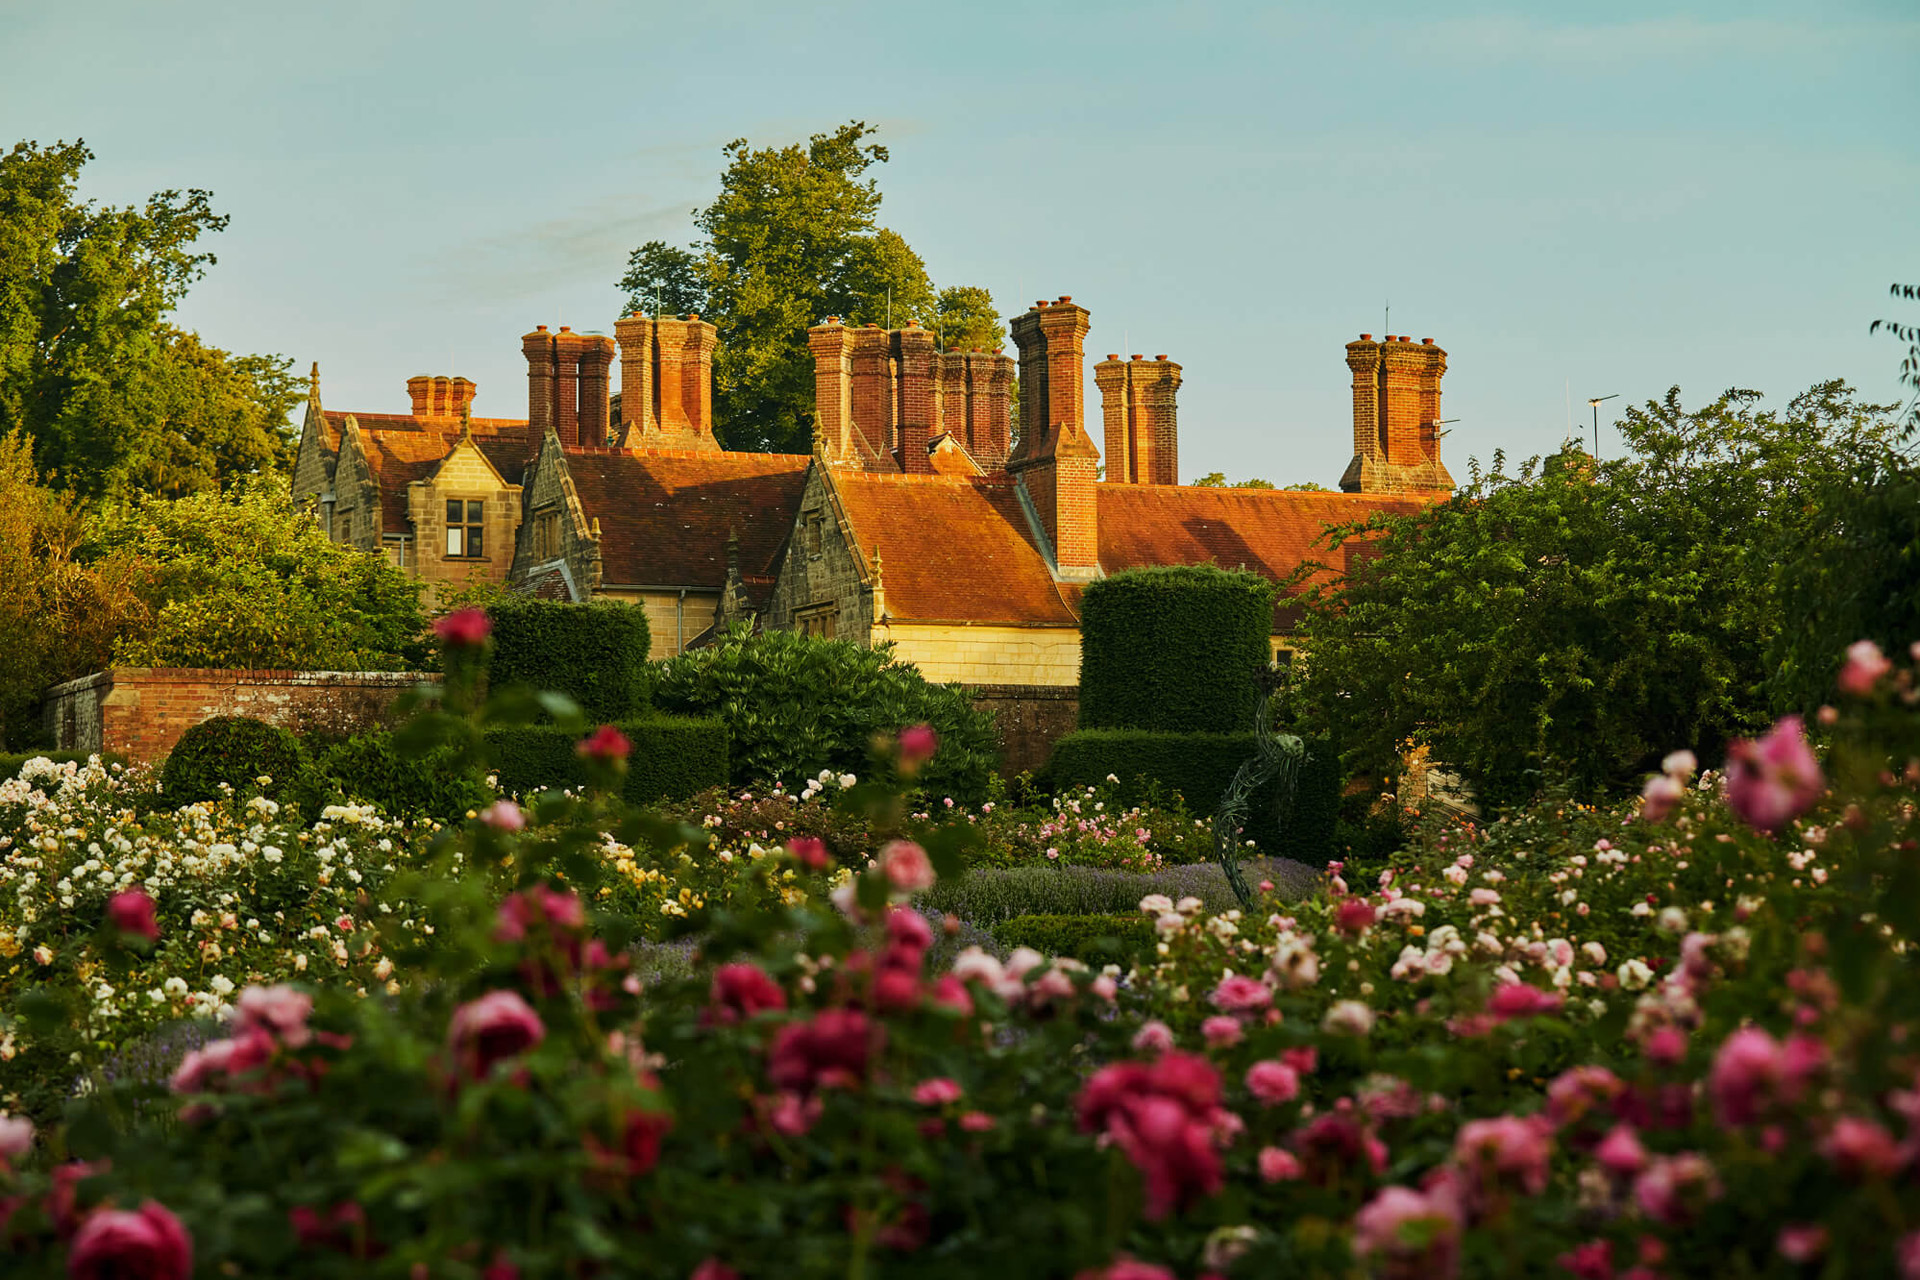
<point x="463" y="628"/>
<point x="144" y="1244"/>
<point x="491" y="1029"/>
<point x="131" y="911"/>
<point x="607" y="743"/>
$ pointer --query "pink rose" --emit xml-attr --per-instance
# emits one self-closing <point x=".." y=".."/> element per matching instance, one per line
<point x="1221" y="1032"/>
<point x="1153" y="1037"/>
<point x="977" y="1121"/>
<point x="144" y="1244"/>
<point x="1507" y="1153"/>
<point x="742" y="990"/>
<point x="1125" y="1268"/>
<point x="1240" y="995"/>
<point x="1273" y="1082"/>
<point x="714" y="1269"/>
<point x="1861" y="1149"/>
<point x="830" y="1051"/>
<point x="1518" y="1000"/>
<point x="907" y="866"/>
<point x="937" y="1092"/>
<point x="1673" y="1189"/>
<point x="1665" y="1046"/>
<point x="1864" y="667"/>
<point x="1277" y="1164"/>
<point x="1620" y="1152"/>
<point x="1353" y="917"/>
<point x="1774" y="780"/>
<point x="917" y="746"/>
<point x="810" y="852"/>
<point x="1803" y="1242"/>
<point x="16" y="1138"/>
<point x="463" y="628"/>
<point x="280" y="1011"/>
<point x="1407" y="1232"/>
<point x="492" y="1029"/>
<point x="1660" y="796"/>
<point x="132" y="911"/>
<point x="504" y="815"/>
<point x="606" y="744"/>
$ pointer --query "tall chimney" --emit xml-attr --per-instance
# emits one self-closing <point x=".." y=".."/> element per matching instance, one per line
<point x="873" y="400"/>
<point x="669" y="347"/>
<point x="420" y="391"/>
<point x="990" y="407"/>
<point x="538" y="348"/>
<point x="1057" y="464"/>
<point x="635" y="336"/>
<point x="696" y="375"/>
<point x="913" y="357"/>
<point x="1396" y="412"/>
<point x="832" y="346"/>
<point x="567" y="346"/>
<point x="596" y="362"/>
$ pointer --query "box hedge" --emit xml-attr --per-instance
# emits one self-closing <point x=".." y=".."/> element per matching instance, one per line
<point x="236" y="751"/>
<point x="1175" y="648"/>
<point x="672" y="758"/>
<point x="594" y="653"/>
<point x="1094" y="940"/>
<point x="366" y="768"/>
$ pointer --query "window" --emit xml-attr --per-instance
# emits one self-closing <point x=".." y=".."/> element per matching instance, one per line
<point x="466" y="521"/>
<point x="817" y="620"/>
<point x="343" y="526"/>
<point x="816" y="525"/>
<point x="546" y="535"/>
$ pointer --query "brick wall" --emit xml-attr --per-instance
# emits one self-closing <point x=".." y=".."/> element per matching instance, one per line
<point x="1030" y="719"/>
<point x="141" y="712"/>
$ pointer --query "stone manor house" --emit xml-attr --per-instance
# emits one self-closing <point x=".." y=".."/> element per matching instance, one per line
<point x="921" y="517"/>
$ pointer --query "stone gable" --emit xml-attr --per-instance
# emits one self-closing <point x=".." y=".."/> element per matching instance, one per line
<point x="823" y="584"/>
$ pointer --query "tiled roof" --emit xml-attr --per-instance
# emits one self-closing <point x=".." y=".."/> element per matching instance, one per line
<point x="952" y="549"/>
<point x="445" y="425"/>
<point x="665" y="515"/>
<point x="1271" y="531"/>
<point x="397" y="459"/>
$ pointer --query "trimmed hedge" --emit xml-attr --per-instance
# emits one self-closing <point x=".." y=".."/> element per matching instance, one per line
<point x="234" y="750"/>
<point x="1199" y="766"/>
<point x="594" y="653"/>
<point x="1095" y="940"/>
<point x="673" y="758"/>
<point x="366" y="768"/>
<point x="10" y="762"/>
<point x="1174" y="649"/>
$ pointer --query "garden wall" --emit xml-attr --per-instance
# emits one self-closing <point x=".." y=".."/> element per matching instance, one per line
<point x="141" y="712"/>
<point x="1031" y="718"/>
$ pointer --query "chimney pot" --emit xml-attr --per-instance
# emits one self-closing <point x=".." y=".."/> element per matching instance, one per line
<point x="1426" y="342"/>
<point x="1066" y="297"/>
<point x="694" y="316"/>
<point x="1040" y="304"/>
<point x="1112" y="355"/>
<point x="1160" y="357"/>
<point x="1138" y="356"/>
<point x="540" y="328"/>
<point x="565" y="329"/>
<point x="1366" y="337"/>
<point x="833" y="319"/>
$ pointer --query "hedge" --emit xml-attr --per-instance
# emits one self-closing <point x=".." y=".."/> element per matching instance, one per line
<point x="672" y="758"/>
<point x="1198" y="766"/>
<point x="594" y="653"/>
<point x="988" y="897"/>
<point x="1096" y="940"/>
<point x="10" y="763"/>
<point x="366" y="768"/>
<point x="1175" y="648"/>
<point x="235" y="750"/>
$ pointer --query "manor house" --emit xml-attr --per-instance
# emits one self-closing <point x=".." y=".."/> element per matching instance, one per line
<point x="925" y="516"/>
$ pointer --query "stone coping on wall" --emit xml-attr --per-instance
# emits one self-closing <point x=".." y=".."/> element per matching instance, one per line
<point x="245" y="675"/>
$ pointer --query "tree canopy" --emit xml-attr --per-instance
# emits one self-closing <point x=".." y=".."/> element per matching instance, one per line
<point x="1574" y="621"/>
<point x="793" y="237"/>
<point x="115" y="400"/>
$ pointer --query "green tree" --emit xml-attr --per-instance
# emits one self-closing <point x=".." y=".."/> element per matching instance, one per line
<point x="1218" y="480"/>
<point x="661" y="279"/>
<point x="792" y="238"/>
<point x="247" y="579"/>
<point x="113" y="398"/>
<point x="1575" y="621"/>
<point x="965" y="319"/>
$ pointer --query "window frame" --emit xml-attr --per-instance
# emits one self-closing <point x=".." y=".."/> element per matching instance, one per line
<point x="470" y="530"/>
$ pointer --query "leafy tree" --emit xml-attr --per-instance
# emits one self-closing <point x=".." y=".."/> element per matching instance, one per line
<point x="792" y="237"/>
<point x="247" y="579"/>
<point x="1576" y="620"/>
<point x="1909" y="334"/>
<point x="965" y="319"/>
<point x="1218" y="480"/>
<point x="661" y="279"/>
<point x="59" y="615"/>
<point x="114" y="399"/>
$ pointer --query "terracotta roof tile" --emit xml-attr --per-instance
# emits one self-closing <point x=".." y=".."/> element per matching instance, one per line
<point x="953" y="549"/>
<point x="665" y="515"/>
<point x="1271" y="531"/>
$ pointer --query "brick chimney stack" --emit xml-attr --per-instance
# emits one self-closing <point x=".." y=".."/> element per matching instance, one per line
<point x="666" y="382"/>
<point x="1396" y="411"/>
<point x="913" y="360"/>
<point x="538" y="348"/>
<point x="832" y="346"/>
<point x="1057" y="464"/>
<point x="439" y="397"/>
<point x="596" y="362"/>
<point x="1137" y="400"/>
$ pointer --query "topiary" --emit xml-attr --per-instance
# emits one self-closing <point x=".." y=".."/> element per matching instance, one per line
<point x="234" y="750"/>
<point x="1176" y="649"/>
<point x="795" y="705"/>
<point x="594" y="653"/>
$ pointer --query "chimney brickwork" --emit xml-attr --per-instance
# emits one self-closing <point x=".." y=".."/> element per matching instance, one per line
<point x="439" y="397"/>
<point x="1137" y="401"/>
<point x="882" y="396"/>
<point x="914" y="373"/>
<point x="1396" y="412"/>
<point x="666" y="382"/>
<point x="1057" y="464"/>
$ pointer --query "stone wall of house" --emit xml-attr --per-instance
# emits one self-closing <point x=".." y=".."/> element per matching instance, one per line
<point x="141" y="712"/>
<point x="672" y="622"/>
<point x="1030" y="719"/>
<point x="465" y="474"/>
<point x="828" y="579"/>
<point x="548" y="490"/>
<point x="985" y="655"/>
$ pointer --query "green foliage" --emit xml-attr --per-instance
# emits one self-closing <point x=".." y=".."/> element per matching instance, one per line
<point x="989" y="896"/>
<point x="1576" y="621"/>
<point x="1856" y="580"/>
<point x="965" y="319"/>
<point x="1095" y="940"/>
<point x="594" y="653"/>
<point x="234" y="750"/>
<point x="116" y="400"/>
<point x="1909" y="334"/>
<point x="792" y="238"/>
<point x="1175" y="648"/>
<point x="370" y="769"/>
<point x="795" y="705"/>
<point x="1218" y="480"/>
<point x="1194" y="766"/>
<point x="673" y="758"/>
<point x="246" y="579"/>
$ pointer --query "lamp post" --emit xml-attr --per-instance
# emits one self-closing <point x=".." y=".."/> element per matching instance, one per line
<point x="1595" y="402"/>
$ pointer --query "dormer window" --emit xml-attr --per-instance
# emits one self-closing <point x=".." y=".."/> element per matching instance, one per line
<point x="466" y="528"/>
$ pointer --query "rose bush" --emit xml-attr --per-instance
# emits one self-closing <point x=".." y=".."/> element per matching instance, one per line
<point x="1509" y="1055"/>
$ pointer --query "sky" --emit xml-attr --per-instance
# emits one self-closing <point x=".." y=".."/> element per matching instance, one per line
<point x="1573" y="200"/>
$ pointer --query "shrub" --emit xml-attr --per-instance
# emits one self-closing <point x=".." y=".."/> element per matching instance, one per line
<point x="367" y="768"/>
<point x="795" y="705"/>
<point x="672" y="758"/>
<point x="235" y="750"/>
<point x="594" y="653"/>
<point x="1096" y="940"/>
<point x="1174" y="649"/>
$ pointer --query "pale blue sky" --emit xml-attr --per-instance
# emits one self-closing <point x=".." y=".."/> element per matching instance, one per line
<point x="1609" y="198"/>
